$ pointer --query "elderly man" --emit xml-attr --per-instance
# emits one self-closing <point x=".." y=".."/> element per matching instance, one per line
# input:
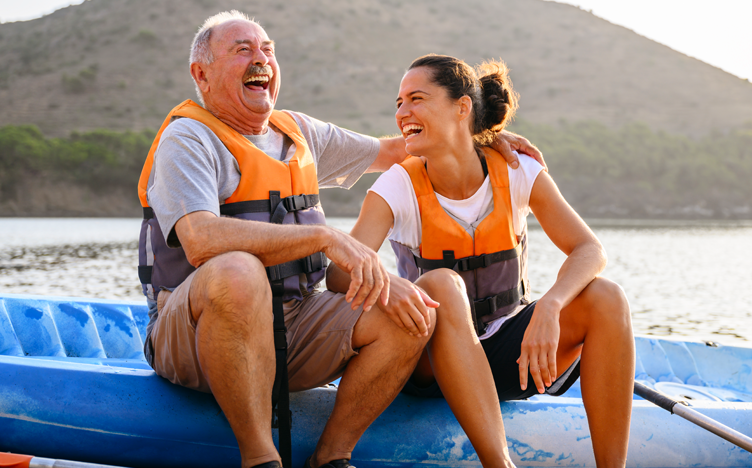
<point x="230" y="196"/>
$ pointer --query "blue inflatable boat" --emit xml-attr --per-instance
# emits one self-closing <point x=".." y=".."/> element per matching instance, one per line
<point x="74" y="385"/>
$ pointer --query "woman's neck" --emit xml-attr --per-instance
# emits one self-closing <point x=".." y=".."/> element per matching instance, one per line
<point x="456" y="173"/>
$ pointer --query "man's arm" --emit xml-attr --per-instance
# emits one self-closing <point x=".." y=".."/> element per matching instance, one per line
<point x="392" y="151"/>
<point x="204" y="236"/>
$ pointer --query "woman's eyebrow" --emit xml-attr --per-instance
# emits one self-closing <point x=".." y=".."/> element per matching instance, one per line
<point x="414" y="92"/>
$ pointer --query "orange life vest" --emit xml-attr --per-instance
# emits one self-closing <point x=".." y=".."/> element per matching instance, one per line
<point x="492" y="262"/>
<point x="269" y="191"/>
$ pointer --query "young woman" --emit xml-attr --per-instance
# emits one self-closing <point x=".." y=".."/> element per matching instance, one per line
<point x="457" y="206"/>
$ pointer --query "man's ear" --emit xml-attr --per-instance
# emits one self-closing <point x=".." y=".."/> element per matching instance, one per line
<point x="464" y="107"/>
<point x="198" y="73"/>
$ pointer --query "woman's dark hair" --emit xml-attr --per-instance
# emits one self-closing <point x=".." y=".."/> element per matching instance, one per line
<point x="488" y="86"/>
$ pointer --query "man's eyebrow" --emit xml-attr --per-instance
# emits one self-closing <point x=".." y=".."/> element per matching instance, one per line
<point x="248" y="41"/>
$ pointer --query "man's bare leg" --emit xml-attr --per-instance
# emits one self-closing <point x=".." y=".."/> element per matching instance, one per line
<point x="231" y="304"/>
<point x="598" y="324"/>
<point x="461" y="368"/>
<point x="386" y="357"/>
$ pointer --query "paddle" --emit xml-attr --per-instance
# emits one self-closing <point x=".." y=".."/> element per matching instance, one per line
<point x="679" y="409"/>
<point x="12" y="460"/>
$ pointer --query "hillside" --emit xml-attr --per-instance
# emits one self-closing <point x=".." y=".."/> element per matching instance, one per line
<point x="122" y="64"/>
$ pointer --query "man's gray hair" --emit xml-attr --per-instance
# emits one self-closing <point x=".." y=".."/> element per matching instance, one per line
<point x="201" y="48"/>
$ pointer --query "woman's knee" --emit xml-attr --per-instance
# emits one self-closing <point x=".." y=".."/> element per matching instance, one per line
<point x="448" y="289"/>
<point x="440" y="282"/>
<point x="608" y="301"/>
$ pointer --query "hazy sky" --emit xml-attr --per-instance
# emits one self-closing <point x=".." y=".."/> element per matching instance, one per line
<point x="716" y="32"/>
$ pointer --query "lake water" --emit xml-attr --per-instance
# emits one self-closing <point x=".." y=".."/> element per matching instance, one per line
<point x="687" y="279"/>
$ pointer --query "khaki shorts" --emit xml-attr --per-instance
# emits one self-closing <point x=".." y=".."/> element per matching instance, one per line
<point x="319" y="340"/>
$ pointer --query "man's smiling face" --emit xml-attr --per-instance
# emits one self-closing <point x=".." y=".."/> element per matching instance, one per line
<point x="244" y="76"/>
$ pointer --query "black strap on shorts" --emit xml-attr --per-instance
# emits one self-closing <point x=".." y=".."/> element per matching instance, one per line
<point x="279" y="207"/>
<point x="281" y="390"/>
<point x="468" y="263"/>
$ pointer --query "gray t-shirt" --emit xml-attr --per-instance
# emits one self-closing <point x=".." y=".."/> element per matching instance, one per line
<point x="194" y="171"/>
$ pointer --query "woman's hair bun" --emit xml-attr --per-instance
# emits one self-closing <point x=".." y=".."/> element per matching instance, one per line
<point x="499" y="98"/>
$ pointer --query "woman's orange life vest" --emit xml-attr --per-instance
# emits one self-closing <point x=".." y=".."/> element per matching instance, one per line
<point x="269" y="191"/>
<point x="492" y="262"/>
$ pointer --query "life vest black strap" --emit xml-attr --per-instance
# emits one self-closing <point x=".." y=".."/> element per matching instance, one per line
<point x="144" y="274"/>
<point x="489" y="305"/>
<point x="281" y="390"/>
<point x="307" y="264"/>
<point x="468" y="263"/>
<point x="293" y="203"/>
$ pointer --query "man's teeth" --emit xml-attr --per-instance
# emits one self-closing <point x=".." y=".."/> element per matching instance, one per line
<point x="410" y="129"/>
<point x="258" y="78"/>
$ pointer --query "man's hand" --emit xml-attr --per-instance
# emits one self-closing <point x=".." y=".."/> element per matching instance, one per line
<point x="506" y="142"/>
<point x="408" y="307"/>
<point x="539" y="347"/>
<point x="369" y="278"/>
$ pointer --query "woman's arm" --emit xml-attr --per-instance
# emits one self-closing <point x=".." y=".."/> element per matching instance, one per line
<point x="406" y="304"/>
<point x="586" y="258"/>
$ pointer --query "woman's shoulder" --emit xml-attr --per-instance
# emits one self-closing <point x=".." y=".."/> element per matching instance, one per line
<point x="527" y="170"/>
<point x="393" y="178"/>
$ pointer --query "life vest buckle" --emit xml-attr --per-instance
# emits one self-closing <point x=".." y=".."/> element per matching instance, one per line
<point x="280" y="340"/>
<point x="295" y="202"/>
<point x="273" y="272"/>
<point x="314" y="262"/>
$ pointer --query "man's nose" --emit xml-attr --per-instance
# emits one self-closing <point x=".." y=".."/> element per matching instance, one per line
<point x="260" y="58"/>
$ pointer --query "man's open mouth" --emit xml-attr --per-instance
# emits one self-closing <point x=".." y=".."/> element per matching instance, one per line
<point x="411" y="129"/>
<point x="257" y="81"/>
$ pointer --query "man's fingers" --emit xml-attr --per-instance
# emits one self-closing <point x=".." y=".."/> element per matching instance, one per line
<point x="373" y="296"/>
<point x="365" y="287"/>
<point x="356" y="279"/>
<point x="509" y="155"/>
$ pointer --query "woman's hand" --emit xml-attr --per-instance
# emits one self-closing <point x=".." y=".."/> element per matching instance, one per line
<point x="538" y="351"/>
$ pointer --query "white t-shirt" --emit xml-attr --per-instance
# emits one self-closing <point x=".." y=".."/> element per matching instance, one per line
<point x="395" y="188"/>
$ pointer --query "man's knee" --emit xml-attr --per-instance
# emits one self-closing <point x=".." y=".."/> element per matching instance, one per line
<point x="231" y="283"/>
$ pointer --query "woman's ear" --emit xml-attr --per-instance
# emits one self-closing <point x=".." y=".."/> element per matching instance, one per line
<point x="464" y="107"/>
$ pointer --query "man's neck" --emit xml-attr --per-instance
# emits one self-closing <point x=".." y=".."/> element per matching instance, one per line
<point x="248" y="124"/>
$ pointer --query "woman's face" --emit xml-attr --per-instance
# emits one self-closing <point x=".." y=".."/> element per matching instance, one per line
<point x="425" y="113"/>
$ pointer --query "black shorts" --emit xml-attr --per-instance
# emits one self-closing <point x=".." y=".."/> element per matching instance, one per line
<point x="502" y="351"/>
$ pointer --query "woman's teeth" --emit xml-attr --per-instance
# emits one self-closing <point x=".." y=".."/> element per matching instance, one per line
<point x="411" y="129"/>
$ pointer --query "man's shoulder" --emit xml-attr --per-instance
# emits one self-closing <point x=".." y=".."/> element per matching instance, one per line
<point x="185" y="127"/>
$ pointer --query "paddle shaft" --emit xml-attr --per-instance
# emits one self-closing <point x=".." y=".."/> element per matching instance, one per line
<point x="37" y="462"/>
<point x="674" y="407"/>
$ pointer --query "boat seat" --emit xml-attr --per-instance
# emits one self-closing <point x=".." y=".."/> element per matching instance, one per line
<point x="60" y="327"/>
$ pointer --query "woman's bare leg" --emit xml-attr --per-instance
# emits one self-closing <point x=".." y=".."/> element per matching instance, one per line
<point x="460" y="366"/>
<point x="597" y="324"/>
